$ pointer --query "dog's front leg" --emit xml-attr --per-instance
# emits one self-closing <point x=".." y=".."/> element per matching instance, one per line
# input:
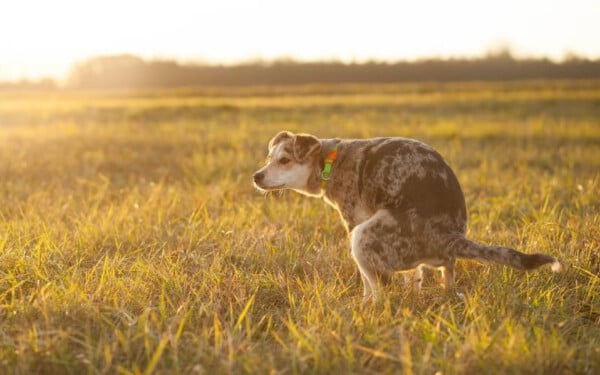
<point x="414" y="278"/>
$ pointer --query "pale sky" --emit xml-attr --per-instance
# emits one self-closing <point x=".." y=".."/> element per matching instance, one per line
<point x="43" y="38"/>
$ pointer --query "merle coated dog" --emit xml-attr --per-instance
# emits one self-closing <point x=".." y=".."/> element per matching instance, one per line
<point x="398" y="199"/>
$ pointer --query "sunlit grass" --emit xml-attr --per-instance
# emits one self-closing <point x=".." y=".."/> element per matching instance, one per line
<point x="132" y="241"/>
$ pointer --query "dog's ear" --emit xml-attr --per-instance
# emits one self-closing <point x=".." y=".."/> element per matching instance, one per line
<point x="305" y="145"/>
<point x="280" y="137"/>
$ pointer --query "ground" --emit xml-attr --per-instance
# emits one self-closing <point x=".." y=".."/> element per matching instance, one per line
<point x="132" y="240"/>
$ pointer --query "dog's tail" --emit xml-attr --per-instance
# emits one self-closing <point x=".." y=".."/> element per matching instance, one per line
<point x="462" y="247"/>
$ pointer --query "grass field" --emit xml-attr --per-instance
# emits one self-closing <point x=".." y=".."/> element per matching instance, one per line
<point x="132" y="240"/>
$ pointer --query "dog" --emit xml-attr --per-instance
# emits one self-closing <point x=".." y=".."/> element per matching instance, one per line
<point x="399" y="200"/>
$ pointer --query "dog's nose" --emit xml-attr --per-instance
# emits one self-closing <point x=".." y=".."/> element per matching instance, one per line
<point x="258" y="176"/>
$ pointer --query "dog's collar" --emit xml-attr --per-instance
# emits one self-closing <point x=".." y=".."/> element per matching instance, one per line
<point x="327" y="166"/>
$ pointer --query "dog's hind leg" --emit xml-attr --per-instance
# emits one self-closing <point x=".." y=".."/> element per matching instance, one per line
<point x="366" y="286"/>
<point x="368" y="273"/>
<point x="371" y="254"/>
<point x="448" y="275"/>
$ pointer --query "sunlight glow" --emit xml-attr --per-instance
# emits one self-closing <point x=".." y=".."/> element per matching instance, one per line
<point x="45" y="38"/>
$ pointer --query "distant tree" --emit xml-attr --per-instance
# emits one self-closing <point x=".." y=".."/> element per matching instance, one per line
<point x="109" y="71"/>
<point x="27" y="85"/>
<point x="128" y="71"/>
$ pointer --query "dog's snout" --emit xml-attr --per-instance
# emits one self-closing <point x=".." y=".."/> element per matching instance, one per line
<point x="258" y="176"/>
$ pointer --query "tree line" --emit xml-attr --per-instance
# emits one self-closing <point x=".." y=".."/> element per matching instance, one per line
<point x="133" y="72"/>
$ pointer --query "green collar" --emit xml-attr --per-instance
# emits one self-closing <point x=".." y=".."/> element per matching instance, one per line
<point x="327" y="167"/>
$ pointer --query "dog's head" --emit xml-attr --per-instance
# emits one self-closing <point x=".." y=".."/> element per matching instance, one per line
<point x="293" y="162"/>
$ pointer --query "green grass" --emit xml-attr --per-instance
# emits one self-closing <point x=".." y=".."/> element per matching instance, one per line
<point x="132" y="240"/>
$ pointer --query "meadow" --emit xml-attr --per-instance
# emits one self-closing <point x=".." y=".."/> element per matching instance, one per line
<point x="132" y="240"/>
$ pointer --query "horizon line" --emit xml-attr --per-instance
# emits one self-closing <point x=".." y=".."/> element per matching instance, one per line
<point x="504" y="51"/>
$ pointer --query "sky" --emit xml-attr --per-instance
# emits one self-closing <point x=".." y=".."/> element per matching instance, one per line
<point x="44" y="38"/>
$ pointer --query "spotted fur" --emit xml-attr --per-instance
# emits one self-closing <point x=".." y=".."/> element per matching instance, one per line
<point x="398" y="198"/>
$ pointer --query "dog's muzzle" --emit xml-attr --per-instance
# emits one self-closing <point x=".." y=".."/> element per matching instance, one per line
<point x="258" y="177"/>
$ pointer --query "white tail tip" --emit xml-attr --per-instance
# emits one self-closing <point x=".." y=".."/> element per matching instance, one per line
<point x="556" y="266"/>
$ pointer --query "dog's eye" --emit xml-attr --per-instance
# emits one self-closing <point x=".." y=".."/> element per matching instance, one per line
<point x="284" y="160"/>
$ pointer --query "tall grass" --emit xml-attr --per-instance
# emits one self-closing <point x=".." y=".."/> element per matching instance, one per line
<point x="132" y="241"/>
